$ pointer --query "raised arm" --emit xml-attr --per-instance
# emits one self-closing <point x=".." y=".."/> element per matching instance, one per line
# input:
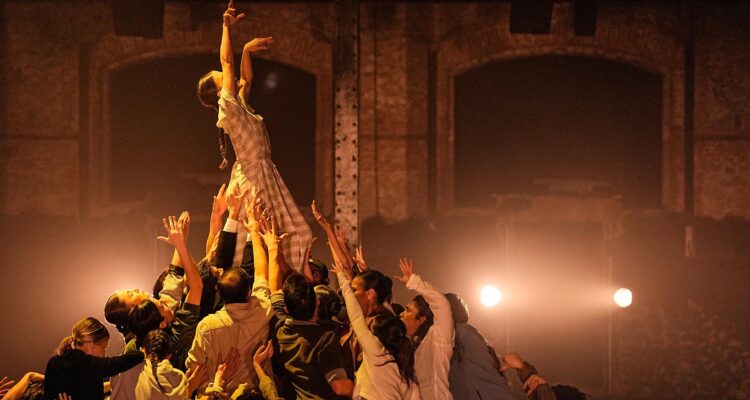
<point x="336" y="246"/>
<point x="246" y="65"/>
<point x="441" y="308"/>
<point x="176" y="236"/>
<point x="218" y="208"/>
<point x="254" y="212"/>
<point x="225" y="51"/>
<point x="367" y="339"/>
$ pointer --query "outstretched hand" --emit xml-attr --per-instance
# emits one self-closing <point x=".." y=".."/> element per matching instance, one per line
<point x="230" y="15"/>
<point x="5" y="385"/>
<point x="532" y="383"/>
<point x="175" y="231"/>
<point x="264" y="352"/>
<point x="511" y="360"/>
<point x="407" y="268"/>
<point x="320" y="218"/>
<point x="235" y="199"/>
<point x="257" y="44"/>
<point x="359" y="259"/>
<point x="220" y="202"/>
<point x="267" y="230"/>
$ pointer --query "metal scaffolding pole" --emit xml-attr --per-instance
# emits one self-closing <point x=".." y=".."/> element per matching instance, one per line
<point x="346" y="81"/>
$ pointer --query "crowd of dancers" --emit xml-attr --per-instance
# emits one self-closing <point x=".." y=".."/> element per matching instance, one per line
<point x="257" y="318"/>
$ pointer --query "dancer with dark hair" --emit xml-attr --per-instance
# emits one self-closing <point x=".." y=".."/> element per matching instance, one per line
<point x="429" y="323"/>
<point x="79" y="368"/>
<point x="251" y="144"/>
<point x="387" y="369"/>
<point x="159" y="380"/>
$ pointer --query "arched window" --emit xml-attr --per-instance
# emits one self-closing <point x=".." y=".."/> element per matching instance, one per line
<point x="163" y="140"/>
<point x="522" y="123"/>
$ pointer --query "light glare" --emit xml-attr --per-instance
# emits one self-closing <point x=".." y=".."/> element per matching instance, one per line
<point x="490" y="296"/>
<point x="623" y="297"/>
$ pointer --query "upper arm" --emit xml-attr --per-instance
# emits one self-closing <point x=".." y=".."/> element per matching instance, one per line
<point x="439" y="305"/>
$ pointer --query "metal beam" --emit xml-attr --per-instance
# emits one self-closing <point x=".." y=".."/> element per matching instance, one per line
<point x="346" y="149"/>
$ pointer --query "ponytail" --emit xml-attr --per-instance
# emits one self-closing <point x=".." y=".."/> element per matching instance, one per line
<point x="157" y="347"/>
<point x="391" y="332"/>
<point x="65" y="346"/>
<point x="86" y="330"/>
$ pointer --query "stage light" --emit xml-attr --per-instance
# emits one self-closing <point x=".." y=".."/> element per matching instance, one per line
<point x="623" y="297"/>
<point x="490" y="296"/>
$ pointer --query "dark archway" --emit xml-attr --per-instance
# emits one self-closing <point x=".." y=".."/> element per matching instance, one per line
<point x="521" y="121"/>
<point x="162" y="138"/>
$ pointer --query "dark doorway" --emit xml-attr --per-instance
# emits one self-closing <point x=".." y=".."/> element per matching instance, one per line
<point x="163" y="140"/>
<point x="522" y="121"/>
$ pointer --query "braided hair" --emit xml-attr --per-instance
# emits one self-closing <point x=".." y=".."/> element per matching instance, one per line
<point x="207" y="91"/>
<point x="157" y="347"/>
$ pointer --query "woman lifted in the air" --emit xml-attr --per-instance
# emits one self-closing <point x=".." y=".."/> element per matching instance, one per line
<point x="247" y="132"/>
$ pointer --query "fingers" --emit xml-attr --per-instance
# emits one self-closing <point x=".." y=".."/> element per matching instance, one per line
<point x="222" y="189"/>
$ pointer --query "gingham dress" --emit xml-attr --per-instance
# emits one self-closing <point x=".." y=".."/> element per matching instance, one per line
<point x="254" y="167"/>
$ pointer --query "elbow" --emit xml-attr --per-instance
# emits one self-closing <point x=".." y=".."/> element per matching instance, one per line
<point x="343" y="387"/>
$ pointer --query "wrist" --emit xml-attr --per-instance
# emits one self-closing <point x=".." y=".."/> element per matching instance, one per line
<point x="234" y="214"/>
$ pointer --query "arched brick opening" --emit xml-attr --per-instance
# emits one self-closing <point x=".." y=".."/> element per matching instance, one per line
<point x="643" y="46"/>
<point x="298" y="49"/>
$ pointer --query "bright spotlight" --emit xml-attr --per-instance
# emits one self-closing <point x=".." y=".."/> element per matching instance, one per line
<point x="490" y="296"/>
<point x="623" y="297"/>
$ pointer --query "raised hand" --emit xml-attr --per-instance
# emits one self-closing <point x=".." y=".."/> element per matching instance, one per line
<point x="359" y="259"/>
<point x="184" y="223"/>
<point x="220" y="202"/>
<point x="343" y="241"/>
<point x="320" y="218"/>
<point x="257" y="44"/>
<point x="64" y="396"/>
<point x="267" y="230"/>
<point x="5" y="385"/>
<point x="264" y="352"/>
<point x="511" y="360"/>
<point x="230" y="15"/>
<point x="407" y="268"/>
<point x="175" y="232"/>
<point x="227" y="366"/>
<point x="235" y="199"/>
<point x="532" y="383"/>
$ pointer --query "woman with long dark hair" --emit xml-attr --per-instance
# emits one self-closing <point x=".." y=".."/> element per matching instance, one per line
<point x="254" y="168"/>
<point x="429" y="323"/>
<point x="79" y="368"/>
<point x="387" y="369"/>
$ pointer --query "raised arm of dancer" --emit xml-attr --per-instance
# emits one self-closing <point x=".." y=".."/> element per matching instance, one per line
<point x="16" y="392"/>
<point x="218" y="208"/>
<point x="225" y="51"/>
<point x="176" y="236"/>
<point x="254" y="211"/>
<point x="333" y="240"/>
<point x="246" y="66"/>
<point x="370" y="343"/>
<point x="441" y="308"/>
<point x="268" y="232"/>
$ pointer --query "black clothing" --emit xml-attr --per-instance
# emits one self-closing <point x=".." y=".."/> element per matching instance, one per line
<point x="81" y="376"/>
